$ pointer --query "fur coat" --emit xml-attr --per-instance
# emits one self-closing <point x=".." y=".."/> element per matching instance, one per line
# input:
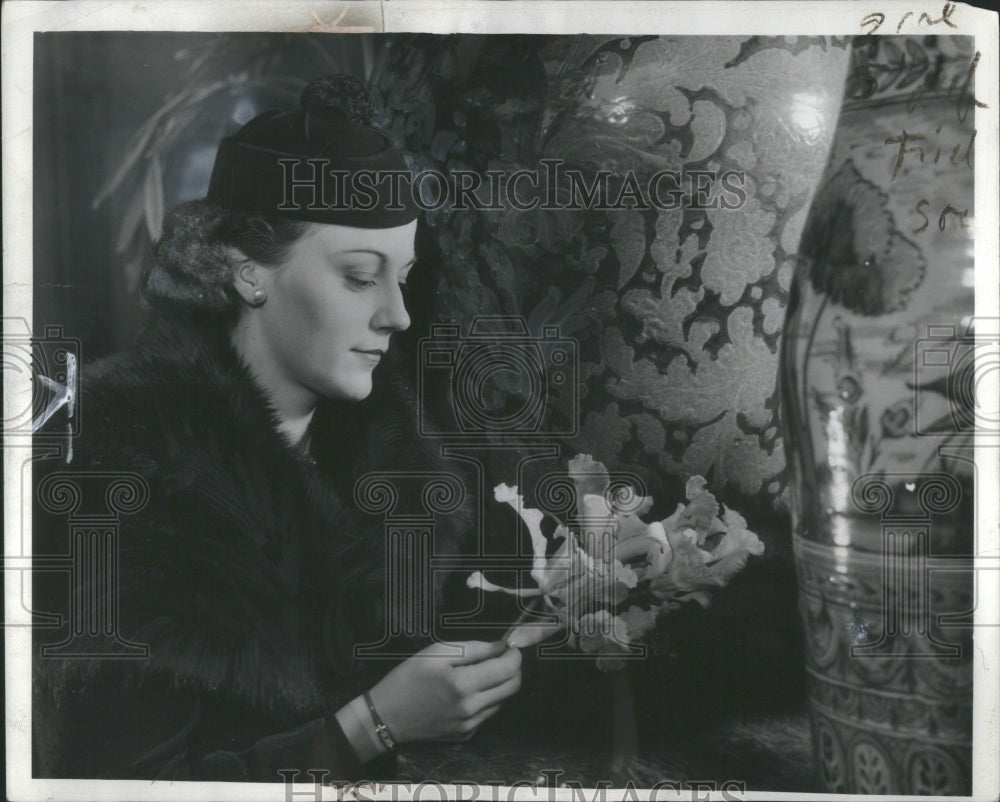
<point x="249" y="573"/>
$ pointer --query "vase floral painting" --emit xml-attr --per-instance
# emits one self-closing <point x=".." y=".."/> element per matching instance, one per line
<point x="878" y="401"/>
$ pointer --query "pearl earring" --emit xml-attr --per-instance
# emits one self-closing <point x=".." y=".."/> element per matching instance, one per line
<point x="258" y="297"/>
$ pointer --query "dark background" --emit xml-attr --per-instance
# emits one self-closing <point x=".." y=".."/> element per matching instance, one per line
<point x="93" y="92"/>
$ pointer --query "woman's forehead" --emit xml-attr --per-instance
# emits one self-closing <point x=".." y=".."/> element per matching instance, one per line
<point x="396" y="244"/>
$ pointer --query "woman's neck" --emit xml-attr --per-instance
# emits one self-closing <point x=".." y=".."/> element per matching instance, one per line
<point x="293" y="404"/>
<point x="296" y="429"/>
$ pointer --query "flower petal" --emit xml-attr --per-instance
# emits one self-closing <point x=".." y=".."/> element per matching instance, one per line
<point x="694" y="487"/>
<point x="503" y="492"/>
<point x="590" y="478"/>
<point x="589" y="475"/>
<point x="624" y="574"/>
<point x="730" y="565"/>
<point x="686" y="571"/>
<point x="639" y="621"/>
<point x="478" y="581"/>
<point x="597" y="525"/>
<point x="633" y="548"/>
<point x="659" y="554"/>
<point x="533" y="520"/>
<point x="596" y="512"/>
<point x="630" y="525"/>
<point x="674" y="521"/>
<point x="656" y="531"/>
<point x="738" y="538"/>
<point x="700" y="514"/>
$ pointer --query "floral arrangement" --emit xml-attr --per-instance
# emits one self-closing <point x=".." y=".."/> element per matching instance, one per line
<point x="606" y="580"/>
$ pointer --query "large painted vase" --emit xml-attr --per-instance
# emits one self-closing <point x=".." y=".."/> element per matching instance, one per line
<point x="876" y="375"/>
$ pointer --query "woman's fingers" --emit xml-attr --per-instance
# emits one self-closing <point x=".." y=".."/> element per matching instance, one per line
<point x="477" y="651"/>
<point x="472" y="724"/>
<point x="492" y="697"/>
<point x="490" y="673"/>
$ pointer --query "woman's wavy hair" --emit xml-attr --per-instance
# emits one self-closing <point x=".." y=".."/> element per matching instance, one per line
<point x="202" y="243"/>
<point x="196" y="256"/>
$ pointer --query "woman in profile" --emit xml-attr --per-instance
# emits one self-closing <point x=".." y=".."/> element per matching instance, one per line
<point x="248" y="407"/>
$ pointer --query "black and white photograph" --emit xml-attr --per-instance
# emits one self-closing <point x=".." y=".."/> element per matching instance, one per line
<point x="500" y="400"/>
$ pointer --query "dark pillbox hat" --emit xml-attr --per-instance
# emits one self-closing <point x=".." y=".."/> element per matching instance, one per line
<point x="305" y="163"/>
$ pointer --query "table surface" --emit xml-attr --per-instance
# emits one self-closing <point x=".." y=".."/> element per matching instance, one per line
<point x="769" y="753"/>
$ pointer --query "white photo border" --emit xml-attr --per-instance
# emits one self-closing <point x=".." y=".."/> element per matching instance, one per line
<point x="23" y="18"/>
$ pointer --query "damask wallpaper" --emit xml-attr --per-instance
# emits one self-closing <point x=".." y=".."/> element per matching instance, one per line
<point x="677" y="311"/>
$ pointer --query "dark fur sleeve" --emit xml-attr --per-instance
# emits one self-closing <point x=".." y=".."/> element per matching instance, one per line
<point x="234" y="686"/>
<point x="116" y="722"/>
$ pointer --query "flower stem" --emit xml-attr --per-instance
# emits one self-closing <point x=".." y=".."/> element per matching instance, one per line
<point x="526" y="611"/>
<point x="624" y="729"/>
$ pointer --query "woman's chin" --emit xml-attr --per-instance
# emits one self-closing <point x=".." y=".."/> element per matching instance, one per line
<point x="352" y="389"/>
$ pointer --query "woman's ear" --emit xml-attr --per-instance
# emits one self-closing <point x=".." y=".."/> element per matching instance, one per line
<point x="247" y="279"/>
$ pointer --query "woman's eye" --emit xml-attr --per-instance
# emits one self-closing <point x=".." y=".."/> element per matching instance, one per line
<point x="361" y="282"/>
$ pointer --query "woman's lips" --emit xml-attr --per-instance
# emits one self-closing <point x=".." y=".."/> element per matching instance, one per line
<point x="375" y="355"/>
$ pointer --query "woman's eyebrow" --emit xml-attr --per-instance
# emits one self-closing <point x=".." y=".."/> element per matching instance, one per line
<point x="379" y="254"/>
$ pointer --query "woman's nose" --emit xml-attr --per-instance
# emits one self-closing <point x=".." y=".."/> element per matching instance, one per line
<point x="392" y="313"/>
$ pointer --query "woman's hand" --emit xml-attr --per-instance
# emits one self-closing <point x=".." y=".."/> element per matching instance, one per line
<point x="435" y="696"/>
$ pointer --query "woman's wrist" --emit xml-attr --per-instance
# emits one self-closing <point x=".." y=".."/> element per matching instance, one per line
<point x="381" y="728"/>
<point x="356" y="721"/>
